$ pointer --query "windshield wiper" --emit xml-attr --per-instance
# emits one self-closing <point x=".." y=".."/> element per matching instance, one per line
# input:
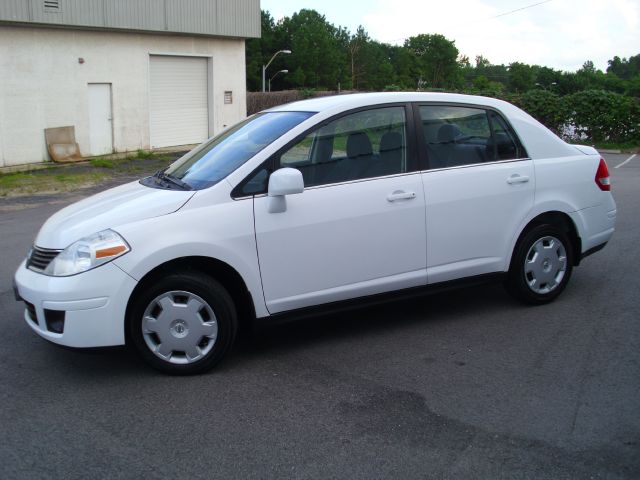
<point x="167" y="178"/>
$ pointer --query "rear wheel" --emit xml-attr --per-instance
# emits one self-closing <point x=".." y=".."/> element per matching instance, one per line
<point x="541" y="265"/>
<point x="184" y="323"/>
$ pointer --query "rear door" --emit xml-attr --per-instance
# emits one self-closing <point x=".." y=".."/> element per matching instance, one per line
<point x="479" y="185"/>
<point x="359" y="226"/>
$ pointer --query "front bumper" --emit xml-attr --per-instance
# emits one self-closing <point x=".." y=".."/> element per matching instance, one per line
<point x="93" y="304"/>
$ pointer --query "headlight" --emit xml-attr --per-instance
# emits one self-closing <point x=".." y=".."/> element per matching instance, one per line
<point x="87" y="253"/>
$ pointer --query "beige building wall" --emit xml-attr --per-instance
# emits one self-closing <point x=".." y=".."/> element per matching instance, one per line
<point x="44" y="85"/>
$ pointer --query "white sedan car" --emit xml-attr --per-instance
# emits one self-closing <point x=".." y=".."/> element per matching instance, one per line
<point x="311" y="206"/>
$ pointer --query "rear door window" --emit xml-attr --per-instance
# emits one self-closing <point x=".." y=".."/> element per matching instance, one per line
<point x="456" y="136"/>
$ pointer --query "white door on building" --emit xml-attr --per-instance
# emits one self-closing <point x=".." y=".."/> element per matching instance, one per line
<point x="100" y="119"/>
<point x="178" y="100"/>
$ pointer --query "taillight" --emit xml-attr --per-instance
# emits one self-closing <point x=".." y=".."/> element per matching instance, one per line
<point x="602" y="176"/>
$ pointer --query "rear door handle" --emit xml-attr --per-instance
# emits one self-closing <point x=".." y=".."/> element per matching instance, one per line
<point x="513" y="179"/>
<point x="400" y="195"/>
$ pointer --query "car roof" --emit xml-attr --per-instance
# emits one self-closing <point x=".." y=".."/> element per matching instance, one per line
<point x="357" y="100"/>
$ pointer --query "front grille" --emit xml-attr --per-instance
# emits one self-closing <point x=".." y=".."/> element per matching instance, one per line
<point x="31" y="311"/>
<point x="40" y="258"/>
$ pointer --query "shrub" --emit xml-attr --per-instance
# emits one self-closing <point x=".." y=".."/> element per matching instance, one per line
<point x="546" y="107"/>
<point x="258" y="101"/>
<point x="604" y="116"/>
<point x="596" y="116"/>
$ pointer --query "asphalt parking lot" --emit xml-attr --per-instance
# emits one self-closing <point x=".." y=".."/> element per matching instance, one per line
<point x="467" y="384"/>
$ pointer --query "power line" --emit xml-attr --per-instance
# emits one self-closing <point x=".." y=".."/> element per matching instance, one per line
<point x="496" y="16"/>
<point x="520" y="9"/>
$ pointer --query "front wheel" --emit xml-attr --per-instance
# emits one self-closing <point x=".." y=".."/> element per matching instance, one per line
<point x="183" y="323"/>
<point x="541" y="265"/>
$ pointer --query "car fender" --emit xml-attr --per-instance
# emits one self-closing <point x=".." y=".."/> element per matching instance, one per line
<point x="540" y="209"/>
<point x="229" y="237"/>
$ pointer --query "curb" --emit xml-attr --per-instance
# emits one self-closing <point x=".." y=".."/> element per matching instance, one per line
<point x="28" y="167"/>
<point x="607" y="150"/>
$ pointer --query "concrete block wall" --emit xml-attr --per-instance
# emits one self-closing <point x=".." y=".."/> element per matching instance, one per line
<point x="43" y="84"/>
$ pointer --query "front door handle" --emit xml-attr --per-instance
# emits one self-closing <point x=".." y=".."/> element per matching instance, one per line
<point x="513" y="179"/>
<point x="400" y="195"/>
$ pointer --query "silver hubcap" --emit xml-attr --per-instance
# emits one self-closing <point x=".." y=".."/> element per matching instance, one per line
<point x="545" y="265"/>
<point x="179" y="327"/>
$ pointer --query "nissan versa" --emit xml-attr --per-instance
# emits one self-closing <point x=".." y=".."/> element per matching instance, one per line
<point x="312" y="205"/>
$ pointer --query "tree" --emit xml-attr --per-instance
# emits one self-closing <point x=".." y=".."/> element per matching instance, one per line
<point x="257" y="49"/>
<point x="633" y="87"/>
<point x="317" y="50"/>
<point x="371" y="67"/>
<point x="497" y="75"/>
<point x="464" y="62"/>
<point x="521" y="77"/>
<point x="356" y="44"/>
<point x="482" y="62"/>
<point x="548" y="77"/>
<point x="467" y="72"/>
<point x="481" y="83"/>
<point x="435" y="60"/>
<point x="623" y="68"/>
<point x="602" y="105"/>
<point x="402" y="62"/>
<point x="589" y="67"/>
<point x="587" y="77"/>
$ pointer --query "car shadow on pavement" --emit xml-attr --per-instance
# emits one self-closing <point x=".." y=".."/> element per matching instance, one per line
<point x="391" y="317"/>
<point x="400" y="316"/>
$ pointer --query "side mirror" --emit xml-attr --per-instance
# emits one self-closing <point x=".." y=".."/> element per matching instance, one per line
<point x="285" y="181"/>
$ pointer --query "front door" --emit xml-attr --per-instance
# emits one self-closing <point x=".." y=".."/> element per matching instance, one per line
<point x="100" y="119"/>
<point x="358" y="228"/>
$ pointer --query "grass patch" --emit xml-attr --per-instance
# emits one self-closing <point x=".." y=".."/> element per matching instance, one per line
<point x="11" y="180"/>
<point x="29" y="183"/>
<point x="66" y="178"/>
<point x="101" y="163"/>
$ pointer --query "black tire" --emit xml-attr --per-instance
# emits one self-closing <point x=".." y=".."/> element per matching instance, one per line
<point x="518" y="282"/>
<point x="198" y="287"/>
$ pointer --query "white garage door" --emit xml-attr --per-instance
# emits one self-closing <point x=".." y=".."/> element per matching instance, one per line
<point x="178" y="100"/>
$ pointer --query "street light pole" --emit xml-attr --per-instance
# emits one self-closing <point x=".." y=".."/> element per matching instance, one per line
<point x="275" y="75"/>
<point x="264" y="67"/>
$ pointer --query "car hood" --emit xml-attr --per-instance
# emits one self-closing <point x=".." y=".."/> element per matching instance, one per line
<point x="117" y="206"/>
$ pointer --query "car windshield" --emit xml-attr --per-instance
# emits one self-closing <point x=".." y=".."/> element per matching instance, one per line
<point x="212" y="161"/>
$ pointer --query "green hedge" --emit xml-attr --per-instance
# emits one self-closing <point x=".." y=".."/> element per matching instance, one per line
<point x="593" y="115"/>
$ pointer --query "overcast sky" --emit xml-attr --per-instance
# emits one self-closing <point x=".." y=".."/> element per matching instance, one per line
<point x="562" y="34"/>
